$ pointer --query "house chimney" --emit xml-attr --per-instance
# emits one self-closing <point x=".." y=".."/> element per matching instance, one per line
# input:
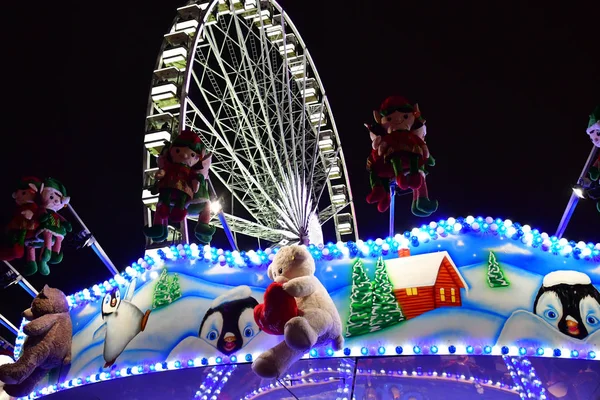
<point x="403" y="252"/>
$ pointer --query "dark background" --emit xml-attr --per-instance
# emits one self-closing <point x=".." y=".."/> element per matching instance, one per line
<point x="506" y="91"/>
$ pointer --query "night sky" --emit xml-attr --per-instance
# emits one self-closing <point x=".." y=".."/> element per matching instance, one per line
<point x="506" y="92"/>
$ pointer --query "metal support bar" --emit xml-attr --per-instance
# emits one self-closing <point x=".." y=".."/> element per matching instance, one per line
<point x="392" y="205"/>
<point x="5" y="344"/>
<point x="574" y="199"/>
<point x="28" y="287"/>
<point x="8" y="325"/>
<point x="95" y="245"/>
<point x="222" y="219"/>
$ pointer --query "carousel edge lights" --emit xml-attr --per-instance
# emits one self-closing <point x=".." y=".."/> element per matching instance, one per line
<point x="361" y="249"/>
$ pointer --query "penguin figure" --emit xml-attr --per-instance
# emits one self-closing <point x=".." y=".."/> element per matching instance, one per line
<point x="228" y="324"/>
<point x="122" y="322"/>
<point x="568" y="301"/>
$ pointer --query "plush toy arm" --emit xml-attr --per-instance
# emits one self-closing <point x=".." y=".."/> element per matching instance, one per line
<point x="159" y="174"/>
<point x="195" y="185"/>
<point x="99" y="332"/>
<point x="67" y="225"/>
<point x="40" y="325"/>
<point x="300" y="287"/>
<point x="431" y="161"/>
<point x="28" y="214"/>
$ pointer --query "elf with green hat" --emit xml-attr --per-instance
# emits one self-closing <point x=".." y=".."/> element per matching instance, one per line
<point x="178" y="179"/>
<point x="593" y="131"/>
<point x="24" y="222"/>
<point x="52" y="229"/>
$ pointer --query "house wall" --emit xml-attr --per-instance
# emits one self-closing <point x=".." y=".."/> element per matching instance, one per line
<point x="447" y="280"/>
<point x="413" y="306"/>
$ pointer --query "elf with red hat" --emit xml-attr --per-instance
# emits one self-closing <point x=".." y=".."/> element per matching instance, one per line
<point x="24" y="222"/>
<point x="400" y="153"/>
<point x="178" y="179"/>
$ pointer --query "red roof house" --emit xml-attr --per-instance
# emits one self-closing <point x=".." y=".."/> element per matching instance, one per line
<point x="425" y="282"/>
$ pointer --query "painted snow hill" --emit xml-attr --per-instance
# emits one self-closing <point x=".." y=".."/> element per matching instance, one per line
<point x="472" y="285"/>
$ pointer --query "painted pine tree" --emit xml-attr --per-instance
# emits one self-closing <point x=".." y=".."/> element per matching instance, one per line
<point x="495" y="276"/>
<point x="386" y="310"/>
<point x="166" y="290"/>
<point x="361" y="302"/>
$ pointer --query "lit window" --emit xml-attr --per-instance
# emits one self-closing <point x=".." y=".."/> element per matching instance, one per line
<point x="442" y="295"/>
<point x="411" y="291"/>
<point x="452" y="295"/>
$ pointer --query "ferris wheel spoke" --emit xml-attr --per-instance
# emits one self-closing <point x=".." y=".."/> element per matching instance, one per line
<point x="229" y="151"/>
<point x="243" y="113"/>
<point x="253" y="87"/>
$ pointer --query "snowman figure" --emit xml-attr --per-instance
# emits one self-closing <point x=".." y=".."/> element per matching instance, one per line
<point x="569" y="302"/>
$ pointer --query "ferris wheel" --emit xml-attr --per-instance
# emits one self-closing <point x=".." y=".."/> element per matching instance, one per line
<point x="238" y="74"/>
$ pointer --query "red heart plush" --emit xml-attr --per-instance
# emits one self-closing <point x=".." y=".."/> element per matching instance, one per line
<point x="278" y="308"/>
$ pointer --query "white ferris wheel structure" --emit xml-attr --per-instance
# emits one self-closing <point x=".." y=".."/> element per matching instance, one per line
<point x="238" y="73"/>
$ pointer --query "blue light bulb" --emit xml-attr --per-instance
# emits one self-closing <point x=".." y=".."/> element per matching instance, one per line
<point x="364" y="351"/>
<point x="381" y="350"/>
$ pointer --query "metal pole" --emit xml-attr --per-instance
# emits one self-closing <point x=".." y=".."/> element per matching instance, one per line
<point x="28" y="287"/>
<point x="574" y="198"/>
<point x="8" y="325"/>
<point x="222" y="219"/>
<point x="95" y="245"/>
<point x="5" y="344"/>
<point x="392" y="205"/>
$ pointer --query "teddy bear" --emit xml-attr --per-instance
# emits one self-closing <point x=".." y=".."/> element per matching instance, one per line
<point x="47" y="346"/>
<point x="318" y="322"/>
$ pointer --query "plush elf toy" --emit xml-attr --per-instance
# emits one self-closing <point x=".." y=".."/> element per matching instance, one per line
<point x="51" y="230"/>
<point x="593" y="131"/>
<point x="24" y="222"/>
<point x="399" y="152"/>
<point x="178" y="179"/>
<point x="199" y="205"/>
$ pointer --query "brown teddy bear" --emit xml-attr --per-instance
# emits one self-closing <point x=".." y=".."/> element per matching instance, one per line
<point x="47" y="346"/>
<point x="318" y="322"/>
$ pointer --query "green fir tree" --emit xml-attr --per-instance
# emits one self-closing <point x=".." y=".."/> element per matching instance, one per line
<point x="386" y="310"/>
<point x="166" y="290"/>
<point x="495" y="276"/>
<point x="361" y="302"/>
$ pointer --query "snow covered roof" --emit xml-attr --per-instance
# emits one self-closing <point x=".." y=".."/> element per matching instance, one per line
<point x="418" y="271"/>
<point x="239" y="293"/>
<point x="566" y="277"/>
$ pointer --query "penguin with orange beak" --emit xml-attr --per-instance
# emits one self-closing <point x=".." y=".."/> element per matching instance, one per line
<point x="569" y="301"/>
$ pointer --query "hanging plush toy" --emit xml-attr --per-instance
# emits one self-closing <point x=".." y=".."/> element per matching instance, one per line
<point x="51" y="230"/>
<point x="593" y="131"/>
<point x="178" y="179"/>
<point x="24" y="222"/>
<point x="399" y="152"/>
<point x="199" y="205"/>
<point x="318" y="322"/>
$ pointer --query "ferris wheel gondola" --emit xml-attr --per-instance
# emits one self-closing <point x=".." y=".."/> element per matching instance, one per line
<point x="238" y="74"/>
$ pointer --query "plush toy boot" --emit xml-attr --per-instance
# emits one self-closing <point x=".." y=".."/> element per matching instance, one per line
<point x="384" y="203"/>
<point x="159" y="229"/>
<point x="377" y="194"/>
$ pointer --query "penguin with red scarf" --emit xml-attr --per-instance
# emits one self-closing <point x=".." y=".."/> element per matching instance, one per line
<point x="593" y="131"/>
<point x="399" y="152"/>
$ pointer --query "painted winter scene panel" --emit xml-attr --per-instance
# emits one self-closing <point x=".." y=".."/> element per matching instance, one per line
<point x="473" y="290"/>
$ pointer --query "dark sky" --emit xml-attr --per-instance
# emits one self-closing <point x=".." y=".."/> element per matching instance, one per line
<point x="506" y="91"/>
